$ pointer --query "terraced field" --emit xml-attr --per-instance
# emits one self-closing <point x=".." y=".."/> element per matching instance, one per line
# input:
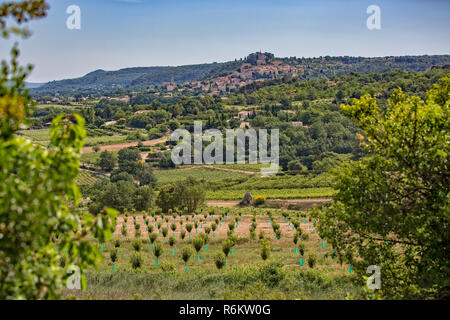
<point x="85" y="178"/>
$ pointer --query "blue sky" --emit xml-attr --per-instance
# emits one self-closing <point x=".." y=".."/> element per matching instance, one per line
<point x="126" y="33"/>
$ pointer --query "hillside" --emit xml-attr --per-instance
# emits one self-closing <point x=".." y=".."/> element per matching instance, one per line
<point x="219" y="78"/>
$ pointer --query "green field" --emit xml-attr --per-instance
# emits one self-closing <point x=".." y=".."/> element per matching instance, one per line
<point x="42" y="136"/>
<point x="227" y="194"/>
<point x="207" y="174"/>
<point x="245" y="167"/>
<point x="38" y="135"/>
<point x="232" y="185"/>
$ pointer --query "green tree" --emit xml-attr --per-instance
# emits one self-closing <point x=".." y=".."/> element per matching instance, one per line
<point x="107" y="161"/>
<point x="392" y="207"/>
<point x="191" y="193"/>
<point x="167" y="198"/>
<point x="128" y="160"/>
<point x="143" y="198"/>
<point x="166" y="161"/>
<point x="144" y="174"/>
<point x="37" y="186"/>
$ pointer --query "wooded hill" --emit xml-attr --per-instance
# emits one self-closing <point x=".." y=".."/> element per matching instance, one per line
<point x="142" y="78"/>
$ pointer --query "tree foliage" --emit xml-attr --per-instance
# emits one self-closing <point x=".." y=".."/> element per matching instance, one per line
<point x="392" y="208"/>
<point x="37" y="186"/>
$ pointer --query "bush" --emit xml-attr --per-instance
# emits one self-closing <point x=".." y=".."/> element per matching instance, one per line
<point x="136" y="260"/>
<point x="312" y="259"/>
<point x="207" y="230"/>
<point x="261" y="235"/>
<point x="278" y="234"/>
<point x="164" y="232"/>
<point x="213" y="226"/>
<point x="271" y="274"/>
<point x="117" y="243"/>
<point x="186" y="253"/>
<point x="137" y="226"/>
<point x="137" y="245"/>
<point x="301" y="248"/>
<point x="259" y="200"/>
<point x="189" y="227"/>
<point x="231" y="226"/>
<point x="150" y="228"/>
<point x="113" y="256"/>
<point x="304" y="236"/>
<point x="219" y="260"/>
<point x="137" y="233"/>
<point x="265" y="249"/>
<point x="157" y="249"/>
<point x="167" y="267"/>
<point x="183" y="234"/>
<point x="173" y="226"/>
<point x="253" y="235"/>
<point x="226" y="246"/>
<point x="153" y="236"/>
<point x="295" y="238"/>
<point x="198" y="244"/>
<point x="171" y="241"/>
<point x="234" y="239"/>
<point x="124" y="231"/>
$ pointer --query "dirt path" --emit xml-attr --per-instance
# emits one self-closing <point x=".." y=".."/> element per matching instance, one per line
<point x="304" y="203"/>
<point x="116" y="147"/>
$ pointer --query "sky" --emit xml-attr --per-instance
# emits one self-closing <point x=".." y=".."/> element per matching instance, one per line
<point x="116" y="34"/>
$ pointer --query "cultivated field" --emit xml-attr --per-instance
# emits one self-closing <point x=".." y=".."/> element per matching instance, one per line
<point x="307" y="269"/>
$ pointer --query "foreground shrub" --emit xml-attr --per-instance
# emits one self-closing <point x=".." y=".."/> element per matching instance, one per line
<point x="136" y="260"/>
<point x="265" y="248"/>
<point x="226" y="246"/>
<point x="137" y="245"/>
<point x="186" y="254"/>
<point x="272" y="273"/>
<point x="219" y="260"/>
<point x="152" y="237"/>
<point x="312" y="259"/>
<point x="301" y="248"/>
<point x="172" y="241"/>
<point x="113" y="256"/>
<point x="167" y="267"/>
<point x="158" y="249"/>
<point x="198" y="244"/>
